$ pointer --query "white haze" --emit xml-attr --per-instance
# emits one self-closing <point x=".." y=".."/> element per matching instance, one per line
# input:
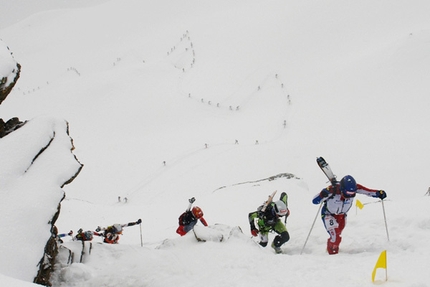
<point x="139" y="84"/>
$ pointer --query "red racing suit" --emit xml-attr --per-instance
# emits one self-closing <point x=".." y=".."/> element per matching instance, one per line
<point x="334" y="211"/>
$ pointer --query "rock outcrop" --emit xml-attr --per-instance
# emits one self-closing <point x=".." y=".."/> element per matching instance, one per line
<point x="9" y="71"/>
<point x="9" y="75"/>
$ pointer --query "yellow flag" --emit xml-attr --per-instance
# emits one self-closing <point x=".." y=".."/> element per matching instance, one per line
<point x="381" y="263"/>
<point x="359" y="204"/>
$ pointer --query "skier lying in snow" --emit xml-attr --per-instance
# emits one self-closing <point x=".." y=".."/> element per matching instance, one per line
<point x="188" y="219"/>
<point x="111" y="233"/>
<point x="338" y="200"/>
<point x="270" y="220"/>
<point x="86" y="235"/>
<point x="81" y="235"/>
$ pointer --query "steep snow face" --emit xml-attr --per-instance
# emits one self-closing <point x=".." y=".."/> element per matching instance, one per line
<point x="37" y="162"/>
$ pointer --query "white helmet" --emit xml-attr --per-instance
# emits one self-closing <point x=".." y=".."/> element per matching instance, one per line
<point x="280" y="208"/>
<point x="117" y="227"/>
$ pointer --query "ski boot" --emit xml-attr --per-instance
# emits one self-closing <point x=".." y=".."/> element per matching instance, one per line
<point x="278" y="250"/>
<point x="332" y="247"/>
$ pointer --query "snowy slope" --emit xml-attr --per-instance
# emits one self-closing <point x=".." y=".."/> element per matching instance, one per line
<point x="37" y="160"/>
<point x="153" y="83"/>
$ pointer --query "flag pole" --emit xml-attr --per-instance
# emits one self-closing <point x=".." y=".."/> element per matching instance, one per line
<point x="385" y="219"/>
<point x="141" y="240"/>
<point x="386" y="267"/>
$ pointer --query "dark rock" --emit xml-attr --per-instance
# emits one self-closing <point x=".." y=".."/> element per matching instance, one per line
<point x="6" y="85"/>
<point x="9" y="126"/>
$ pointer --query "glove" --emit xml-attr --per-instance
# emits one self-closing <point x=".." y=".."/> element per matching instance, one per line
<point x="98" y="228"/>
<point x="191" y="200"/>
<point x="324" y="193"/>
<point x="139" y="221"/>
<point x="316" y="200"/>
<point x="254" y="232"/>
<point x="380" y="194"/>
<point x="70" y="233"/>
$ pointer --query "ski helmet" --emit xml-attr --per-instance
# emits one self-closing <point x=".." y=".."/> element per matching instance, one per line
<point x="280" y="208"/>
<point x="117" y="228"/>
<point x="197" y="212"/>
<point x="348" y="186"/>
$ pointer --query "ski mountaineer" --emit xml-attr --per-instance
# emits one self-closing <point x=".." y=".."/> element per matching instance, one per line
<point x="81" y="235"/>
<point x="337" y="200"/>
<point x="112" y="233"/>
<point x="270" y="220"/>
<point x="86" y="235"/>
<point x="189" y="218"/>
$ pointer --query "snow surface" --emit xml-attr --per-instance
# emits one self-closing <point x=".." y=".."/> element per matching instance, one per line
<point x="141" y="84"/>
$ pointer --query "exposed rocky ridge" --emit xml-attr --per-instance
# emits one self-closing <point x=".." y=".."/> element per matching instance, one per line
<point x="11" y="71"/>
<point x="8" y="78"/>
<point x="270" y="178"/>
<point x="5" y="87"/>
<point x="9" y="126"/>
<point x="47" y="262"/>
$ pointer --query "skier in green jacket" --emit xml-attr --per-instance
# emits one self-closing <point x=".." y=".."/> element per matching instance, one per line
<point x="270" y="220"/>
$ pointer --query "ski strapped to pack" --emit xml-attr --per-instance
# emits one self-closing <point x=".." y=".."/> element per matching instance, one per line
<point x="268" y="201"/>
<point x="190" y="203"/>
<point x="326" y="170"/>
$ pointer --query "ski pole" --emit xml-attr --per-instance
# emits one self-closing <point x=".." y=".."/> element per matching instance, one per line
<point x="141" y="240"/>
<point x="385" y="219"/>
<point x="311" y="228"/>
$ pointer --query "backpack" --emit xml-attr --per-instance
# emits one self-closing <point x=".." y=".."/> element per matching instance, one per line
<point x="186" y="218"/>
<point x="268" y="216"/>
<point x="85" y="236"/>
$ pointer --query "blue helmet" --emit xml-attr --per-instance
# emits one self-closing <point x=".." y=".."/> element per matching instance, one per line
<point x="348" y="186"/>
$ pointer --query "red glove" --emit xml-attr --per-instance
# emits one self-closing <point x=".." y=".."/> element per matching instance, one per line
<point x="254" y="232"/>
<point x="203" y="221"/>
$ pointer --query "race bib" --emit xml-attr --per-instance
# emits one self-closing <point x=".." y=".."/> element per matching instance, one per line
<point x="330" y="222"/>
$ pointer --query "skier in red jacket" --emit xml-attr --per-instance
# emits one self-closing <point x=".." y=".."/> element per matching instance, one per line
<point x="189" y="218"/>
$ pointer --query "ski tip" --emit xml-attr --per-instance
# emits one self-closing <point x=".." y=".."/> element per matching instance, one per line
<point x="273" y="194"/>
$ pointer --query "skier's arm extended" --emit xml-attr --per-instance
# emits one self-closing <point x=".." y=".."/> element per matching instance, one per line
<point x="371" y="192"/>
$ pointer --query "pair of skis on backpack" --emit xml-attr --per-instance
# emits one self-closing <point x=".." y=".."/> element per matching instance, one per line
<point x="326" y="170"/>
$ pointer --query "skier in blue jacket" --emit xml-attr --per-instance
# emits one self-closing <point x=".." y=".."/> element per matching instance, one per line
<point x="337" y="200"/>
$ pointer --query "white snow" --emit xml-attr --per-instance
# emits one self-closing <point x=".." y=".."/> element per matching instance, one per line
<point x="142" y="83"/>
